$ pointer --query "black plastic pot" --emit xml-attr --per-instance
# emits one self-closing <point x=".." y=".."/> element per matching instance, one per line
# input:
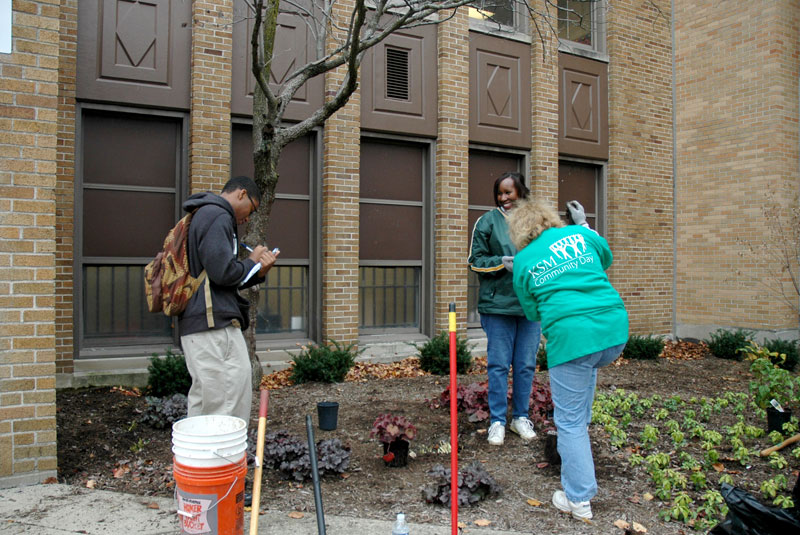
<point x="400" y="450"/>
<point x="776" y="419"/>
<point x="328" y="414"/>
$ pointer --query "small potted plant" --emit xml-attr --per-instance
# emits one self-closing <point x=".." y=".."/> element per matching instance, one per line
<point x="772" y="387"/>
<point x="394" y="432"/>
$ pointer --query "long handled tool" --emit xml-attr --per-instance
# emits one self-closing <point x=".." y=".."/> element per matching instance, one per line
<point x="262" y="427"/>
<point x="453" y="423"/>
<point x="312" y="454"/>
<point x="790" y="440"/>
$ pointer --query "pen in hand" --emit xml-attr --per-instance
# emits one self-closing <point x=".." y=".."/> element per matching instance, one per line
<point x="274" y="251"/>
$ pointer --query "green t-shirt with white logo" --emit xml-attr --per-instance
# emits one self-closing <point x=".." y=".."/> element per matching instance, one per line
<point x="560" y="280"/>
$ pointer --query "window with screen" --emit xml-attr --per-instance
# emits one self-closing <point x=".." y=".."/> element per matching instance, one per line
<point x="129" y="199"/>
<point x="391" y="227"/>
<point x="284" y="301"/>
<point x="484" y="168"/>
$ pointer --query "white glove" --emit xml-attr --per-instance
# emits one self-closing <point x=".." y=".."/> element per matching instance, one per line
<point x="576" y="213"/>
<point x="508" y="262"/>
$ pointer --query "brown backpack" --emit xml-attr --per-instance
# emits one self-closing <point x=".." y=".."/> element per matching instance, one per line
<point x="168" y="284"/>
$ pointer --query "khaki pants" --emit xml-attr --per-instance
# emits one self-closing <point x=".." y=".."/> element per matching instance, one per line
<point x="221" y="373"/>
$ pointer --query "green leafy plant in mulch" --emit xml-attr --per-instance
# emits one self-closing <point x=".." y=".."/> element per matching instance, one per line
<point x="168" y="375"/>
<point x="324" y="363"/>
<point x="434" y="355"/>
<point x="289" y="455"/>
<point x="474" y="485"/>
<point x="726" y="344"/>
<point x="643" y="347"/>
<point x="687" y="448"/>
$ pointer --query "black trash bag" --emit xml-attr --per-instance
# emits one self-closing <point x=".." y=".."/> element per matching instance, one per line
<point x="748" y="516"/>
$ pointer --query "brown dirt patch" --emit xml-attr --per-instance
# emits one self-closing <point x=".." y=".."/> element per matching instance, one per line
<point x="100" y="445"/>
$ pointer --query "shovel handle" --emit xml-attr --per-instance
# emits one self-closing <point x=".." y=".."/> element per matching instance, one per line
<point x="773" y="449"/>
<point x="262" y="426"/>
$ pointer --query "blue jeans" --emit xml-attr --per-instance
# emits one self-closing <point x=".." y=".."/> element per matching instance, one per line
<point x="513" y="342"/>
<point x="572" y="384"/>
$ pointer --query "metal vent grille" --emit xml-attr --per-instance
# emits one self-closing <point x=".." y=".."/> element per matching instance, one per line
<point x="396" y="73"/>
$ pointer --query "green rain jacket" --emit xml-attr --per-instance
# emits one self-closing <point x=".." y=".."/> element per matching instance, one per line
<point x="490" y="243"/>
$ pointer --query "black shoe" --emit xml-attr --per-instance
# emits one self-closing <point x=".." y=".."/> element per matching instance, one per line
<point x="248" y="499"/>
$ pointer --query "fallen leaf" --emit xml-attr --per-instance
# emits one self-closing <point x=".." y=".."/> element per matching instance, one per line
<point x="120" y="471"/>
<point x="621" y="524"/>
<point x="153" y="505"/>
<point x="542" y="465"/>
<point x="638" y="528"/>
<point x="296" y="514"/>
<point x="345" y="475"/>
<point x="534" y="503"/>
<point x="482" y="522"/>
<point x="462" y="525"/>
<point x="719" y="467"/>
<point x="91" y="484"/>
<point x="647" y="496"/>
<point x="635" y="499"/>
<point x="50" y="480"/>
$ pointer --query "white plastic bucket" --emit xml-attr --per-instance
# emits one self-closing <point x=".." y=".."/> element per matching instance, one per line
<point x="209" y="440"/>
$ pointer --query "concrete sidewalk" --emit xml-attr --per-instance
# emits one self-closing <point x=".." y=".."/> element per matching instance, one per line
<point x="62" y="509"/>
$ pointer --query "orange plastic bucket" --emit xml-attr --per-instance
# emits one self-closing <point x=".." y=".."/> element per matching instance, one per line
<point x="210" y="499"/>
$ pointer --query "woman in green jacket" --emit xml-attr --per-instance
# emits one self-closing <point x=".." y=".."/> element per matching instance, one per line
<point x="560" y="279"/>
<point x="512" y="340"/>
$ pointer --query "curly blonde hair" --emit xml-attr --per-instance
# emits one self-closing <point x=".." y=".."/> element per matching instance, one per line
<point x="529" y="219"/>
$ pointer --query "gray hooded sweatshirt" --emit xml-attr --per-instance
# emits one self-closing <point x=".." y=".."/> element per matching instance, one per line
<point x="213" y="246"/>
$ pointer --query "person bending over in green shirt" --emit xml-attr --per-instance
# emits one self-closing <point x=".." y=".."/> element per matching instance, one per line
<point x="560" y="280"/>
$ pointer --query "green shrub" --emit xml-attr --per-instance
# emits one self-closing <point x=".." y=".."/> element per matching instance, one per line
<point x="643" y="347"/>
<point x="785" y="347"/>
<point x="168" y="376"/>
<point x="541" y="357"/>
<point x="324" y="364"/>
<point x="726" y="344"/>
<point x="434" y="355"/>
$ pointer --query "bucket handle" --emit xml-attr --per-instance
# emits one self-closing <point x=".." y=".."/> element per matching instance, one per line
<point x="192" y="515"/>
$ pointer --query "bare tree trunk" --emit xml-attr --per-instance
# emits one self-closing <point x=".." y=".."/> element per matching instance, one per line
<point x="266" y="153"/>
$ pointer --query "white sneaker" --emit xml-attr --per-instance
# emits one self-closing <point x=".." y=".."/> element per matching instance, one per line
<point x="497" y="433"/>
<point x="524" y="428"/>
<point x="580" y="510"/>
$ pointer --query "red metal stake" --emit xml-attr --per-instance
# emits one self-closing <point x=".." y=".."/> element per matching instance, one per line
<point x="453" y="424"/>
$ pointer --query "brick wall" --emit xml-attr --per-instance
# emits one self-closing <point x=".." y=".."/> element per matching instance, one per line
<point x="544" y="109"/>
<point x="451" y="235"/>
<point x="28" y="133"/>
<point x="639" y="174"/>
<point x="737" y="117"/>
<point x="210" y="116"/>
<point x="340" y="193"/>
<point x="65" y="186"/>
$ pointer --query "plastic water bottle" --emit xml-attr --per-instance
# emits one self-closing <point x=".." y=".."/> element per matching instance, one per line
<point x="400" y="526"/>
